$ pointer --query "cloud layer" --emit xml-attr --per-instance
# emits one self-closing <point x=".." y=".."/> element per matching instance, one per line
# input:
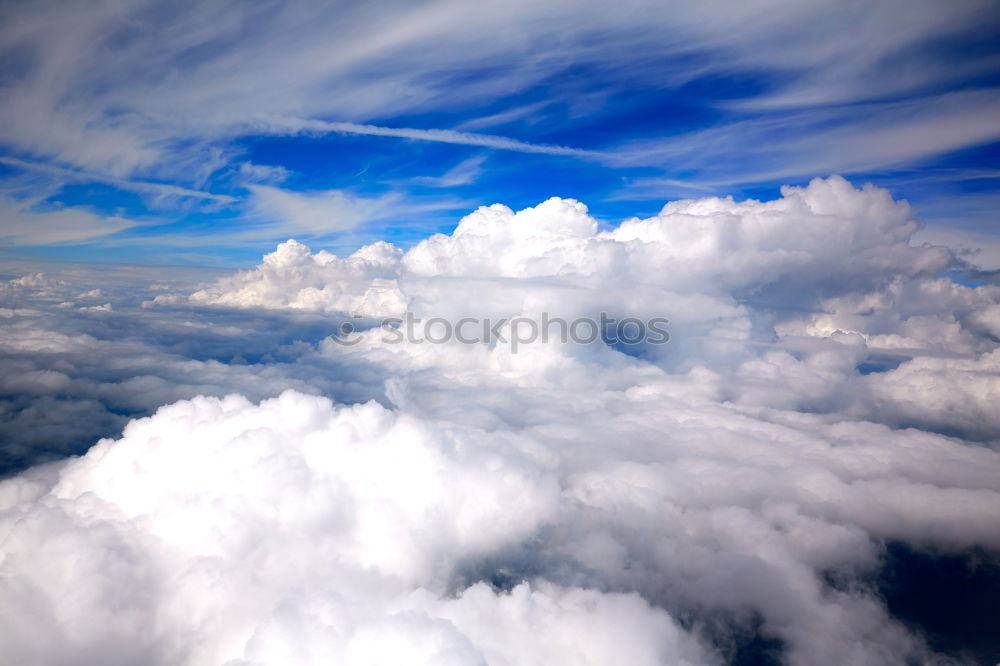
<point x="827" y="390"/>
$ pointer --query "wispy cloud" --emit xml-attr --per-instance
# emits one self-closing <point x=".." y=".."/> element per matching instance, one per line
<point x="158" y="190"/>
<point x="272" y="214"/>
<point x="296" y="125"/>
<point x="276" y="213"/>
<point x="23" y="223"/>
<point x="504" y="117"/>
<point x="316" y="213"/>
<point x="99" y="99"/>
<point x="463" y="173"/>
<point x="846" y="139"/>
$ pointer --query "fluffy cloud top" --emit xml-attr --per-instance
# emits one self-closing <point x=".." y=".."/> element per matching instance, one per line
<point x="292" y="277"/>
<point x="222" y="532"/>
<point x="830" y="235"/>
<point x="730" y="276"/>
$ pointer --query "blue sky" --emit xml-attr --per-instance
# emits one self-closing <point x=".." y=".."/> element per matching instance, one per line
<point x="154" y="134"/>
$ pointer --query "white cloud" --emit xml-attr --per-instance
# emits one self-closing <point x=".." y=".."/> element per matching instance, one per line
<point x="463" y="173"/>
<point x="317" y="213"/>
<point x="363" y="283"/>
<point x="387" y="542"/>
<point x="295" y="125"/>
<point x="562" y="504"/>
<point x="697" y="263"/>
<point x="981" y="250"/>
<point x="21" y="223"/>
<point x="97" y="308"/>
<point x="518" y="113"/>
<point x="262" y="173"/>
<point x="159" y="190"/>
<point x="141" y="89"/>
<point x="275" y="212"/>
<point x="861" y="138"/>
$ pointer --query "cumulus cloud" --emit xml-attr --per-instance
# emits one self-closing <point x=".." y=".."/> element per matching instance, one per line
<point x="387" y="537"/>
<point x="719" y="269"/>
<point x="292" y="277"/>
<point x="979" y="249"/>
<point x="826" y="391"/>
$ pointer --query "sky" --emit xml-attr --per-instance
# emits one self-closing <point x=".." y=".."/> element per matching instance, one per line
<point x="482" y="334"/>
<point x="137" y="132"/>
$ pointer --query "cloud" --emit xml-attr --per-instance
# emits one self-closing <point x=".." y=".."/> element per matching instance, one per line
<point x="296" y="125"/>
<point x="980" y="250"/>
<point x="151" y="100"/>
<point x="504" y="117"/>
<point x="362" y="283"/>
<point x="316" y="213"/>
<point x="275" y="212"/>
<point x="69" y="376"/>
<point x="270" y="213"/>
<point x="160" y="190"/>
<point x="108" y="98"/>
<point x="854" y="139"/>
<point x="826" y="391"/>
<point x="463" y="173"/>
<point x="24" y="222"/>
<point x="261" y="173"/>
<point x="374" y="541"/>
<point x="700" y="260"/>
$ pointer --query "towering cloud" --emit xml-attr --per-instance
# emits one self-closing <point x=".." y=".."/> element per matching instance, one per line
<point x="291" y="277"/>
